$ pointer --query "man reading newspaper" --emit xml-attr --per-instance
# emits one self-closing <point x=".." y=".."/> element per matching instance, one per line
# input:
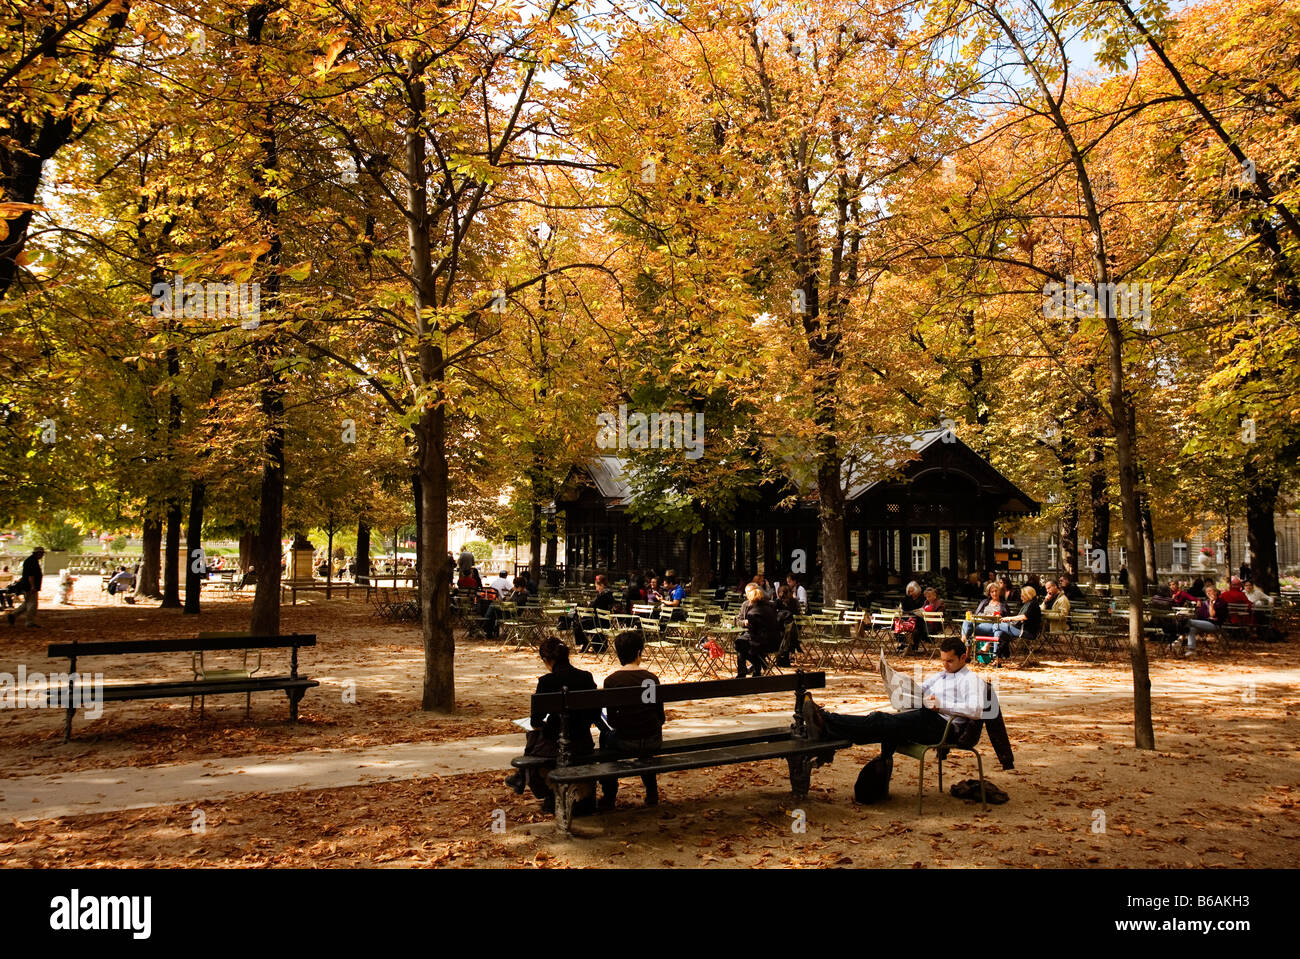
<point x="955" y="693"/>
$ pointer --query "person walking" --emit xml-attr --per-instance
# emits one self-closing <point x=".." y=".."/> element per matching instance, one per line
<point x="30" y="577"/>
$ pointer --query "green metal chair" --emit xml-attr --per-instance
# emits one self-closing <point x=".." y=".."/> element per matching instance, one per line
<point x="918" y="752"/>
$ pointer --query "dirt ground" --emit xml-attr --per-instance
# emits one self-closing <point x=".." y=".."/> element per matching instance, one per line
<point x="1221" y="790"/>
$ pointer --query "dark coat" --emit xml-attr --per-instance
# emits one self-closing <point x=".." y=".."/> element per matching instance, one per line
<point x="759" y="620"/>
<point x="580" y="721"/>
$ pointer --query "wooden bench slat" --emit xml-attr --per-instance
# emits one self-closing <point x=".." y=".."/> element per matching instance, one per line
<point x="123" y="648"/>
<point x="767" y="735"/>
<point x="677" y="692"/>
<point x="698" y="759"/>
<point x="180" y="690"/>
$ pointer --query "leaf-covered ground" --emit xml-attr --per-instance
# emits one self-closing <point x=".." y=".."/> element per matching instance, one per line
<point x="1222" y="790"/>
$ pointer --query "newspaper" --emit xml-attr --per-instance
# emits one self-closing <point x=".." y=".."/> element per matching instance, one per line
<point x="904" y="691"/>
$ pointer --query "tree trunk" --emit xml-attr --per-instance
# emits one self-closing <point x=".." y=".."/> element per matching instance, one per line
<point x="834" y="548"/>
<point x="194" y="548"/>
<point x="435" y="580"/>
<point x="265" y="617"/>
<point x="700" y="565"/>
<point x="1100" y="501"/>
<point x="362" y="559"/>
<point x="146" y="585"/>
<point x="535" y="543"/>
<point x="329" y="561"/>
<point x="1261" y="531"/>
<point x="431" y="431"/>
<point x="1070" y="542"/>
<point x="1149" y="542"/>
<point x="247" y="549"/>
<point x="1121" y="414"/>
<point x="171" y="559"/>
<point x="418" y="499"/>
<point x="552" y="559"/>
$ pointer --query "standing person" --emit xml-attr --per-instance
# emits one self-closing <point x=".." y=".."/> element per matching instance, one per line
<point x="1123" y="575"/>
<point x="30" y="576"/>
<point x="635" y="730"/>
<point x="6" y="597"/>
<point x="66" y="582"/>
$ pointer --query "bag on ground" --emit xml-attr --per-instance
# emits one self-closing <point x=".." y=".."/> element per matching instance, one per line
<point x="873" y="782"/>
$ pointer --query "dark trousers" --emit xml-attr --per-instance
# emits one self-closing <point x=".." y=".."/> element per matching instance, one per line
<point x="747" y="651"/>
<point x="646" y="746"/>
<point x="917" y="634"/>
<point x="888" y="729"/>
<point x="536" y="744"/>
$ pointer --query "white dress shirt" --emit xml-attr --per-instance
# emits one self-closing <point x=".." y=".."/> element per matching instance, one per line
<point x="959" y="694"/>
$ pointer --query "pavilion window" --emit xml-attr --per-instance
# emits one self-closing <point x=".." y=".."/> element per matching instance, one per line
<point x="920" y="552"/>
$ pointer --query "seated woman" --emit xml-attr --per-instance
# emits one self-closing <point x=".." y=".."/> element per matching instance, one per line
<point x="762" y="632"/>
<point x="933" y="604"/>
<point x="913" y="605"/>
<point x="989" y="606"/>
<point x="1025" y="624"/>
<point x="1211" y="613"/>
<point x="544" y="738"/>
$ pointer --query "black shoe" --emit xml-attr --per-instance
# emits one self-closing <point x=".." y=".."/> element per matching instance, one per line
<point x="516" y="782"/>
<point x="814" y="719"/>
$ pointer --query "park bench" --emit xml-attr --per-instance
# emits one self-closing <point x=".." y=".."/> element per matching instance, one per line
<point x="793" y="744"/>
<point x="328" y="589"/>
<point x="206" y="682"/>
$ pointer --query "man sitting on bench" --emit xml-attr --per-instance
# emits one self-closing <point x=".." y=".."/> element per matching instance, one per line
<point x="955" y="693"/>
<point x="635" y="730"/>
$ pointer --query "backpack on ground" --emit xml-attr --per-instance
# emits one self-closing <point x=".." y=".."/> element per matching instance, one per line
<point x="873" y="782"/>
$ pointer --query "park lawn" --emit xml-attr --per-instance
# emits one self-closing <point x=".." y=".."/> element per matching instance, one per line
<point x="1222" y="790"/>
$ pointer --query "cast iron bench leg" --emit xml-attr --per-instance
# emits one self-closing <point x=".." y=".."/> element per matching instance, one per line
<point x="294" y="696"/>
<point x="564" y="794"/>
<point x="800" y="775"/>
